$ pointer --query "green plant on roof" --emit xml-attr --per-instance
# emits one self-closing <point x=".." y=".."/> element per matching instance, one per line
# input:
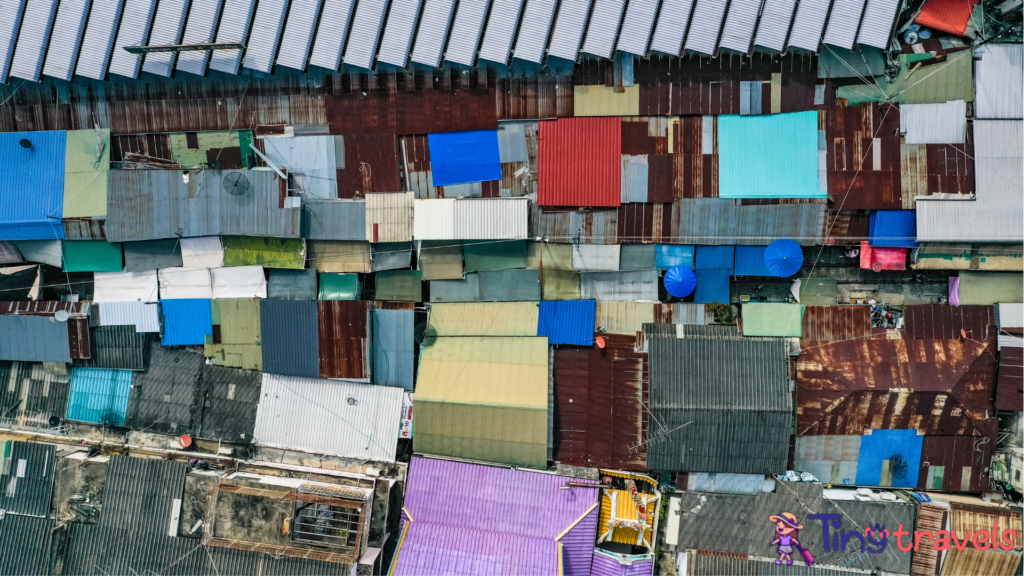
<point x="722" y="312"/>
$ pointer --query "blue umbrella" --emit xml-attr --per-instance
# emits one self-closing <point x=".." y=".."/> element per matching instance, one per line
<point x="680" y="281"/>
<point x="783" y="258"/>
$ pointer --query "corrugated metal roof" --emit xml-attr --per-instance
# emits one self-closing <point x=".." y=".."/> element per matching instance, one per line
<point x="393" y="348"/>
<point x="229" y="400"/>
<point x="708" y="564"/>
<point x="403" y="285"/>
<point x="769" y="156"/>
<point x="33" y="339"/>
<point x="145" y="317"/>
<point x="201" y="28"/>
<point x="339" y="256"/>
<point x="636" y="27"/>
<point x="991" y="217"/>
<point x="947" y="16"/>
<point x="37" y="393"/>
<point x="705" y="26"/>
<point x="163" y="397"/>
<point x="334" y="220"/>
<point x="738" y="31"/>
<point x="433" y="32"/>
<point x="776" y="16"/>
<point x="186" y="322"/>
<point x="895" y="228"/>
<point x="289" y="337"/>
<point x="394" y="44"/>
<point x="331" y="34"/>
<point x="265" y="252"/>
<point x="28" y="472"/>
<point x="168" y="25"/>
<point x="117" y="348"/>
<point x="28" y="544"/>
<point x="637" y="257"/>
<point x="298" y="33"/>
<point x="434" y="219"/>
<point x="347" y="419"/>
<point x="485" y="319"/>
<point x="92" y="256"/>
<point x="441" y="262"/>
<point x="709" y="382"/>
<point x="998" y="80"/>
<point x="292" y="284"/>
<point x="266" y="33"/>
<point x="773" y="319"/>
<point x="501" y="30"/>
<point x="843" y="23"/>
<point x="1009" y="315"/>
<point x="838" y="63"/>
<point x="345" y="334"/>
<point x="99" y="396"/>
<point x="234" y="29"/>
<point x="1010" y="382"/>
<point x="634" y="285"/>
<point x="62" y="54"/>
<point x="489" y="286"/>
<point x="808" y="24"/>
<point x="934" y="123"/>
<point x="567" y="32"/>
<point x="389" y="217"/>
<point x="391" y="255"/>
<point x="876" y="28"/>
<point x="98" y="41"/>
<point x="15" y="9"/>
<point x="491" y="218"/>
<point x="724" y="221"/>
<point x="595" y="257"/>
<point x="603" y="28"/>
<point x="466" y="31"/>
<point x="361" y="50"/>
<point x="836" y="322"/>
<point x="533" y="33"/>
<point x="143" y="256"/>
<point x="671" y="27"/>
<point x="237" y="340"/>
<point x="34" y="35"/>
<point x="579" y="162"/>
<point x="133" y="31"/>
<point x="34" y="193"/>
<point x="567" y="322"/>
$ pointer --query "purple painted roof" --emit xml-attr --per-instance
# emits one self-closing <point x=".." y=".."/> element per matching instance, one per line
<point x="434" y="550"/>
<point x="604" y="565"/>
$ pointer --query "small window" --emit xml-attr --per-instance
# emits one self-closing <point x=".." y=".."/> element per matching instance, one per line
<point x="231" y="391"/>
<point x="1016" y="475"/>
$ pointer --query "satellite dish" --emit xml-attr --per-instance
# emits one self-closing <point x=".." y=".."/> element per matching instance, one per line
<point x="61" y="315"/>
<point x="236" y="183"/>
<point x="425" y="334"/>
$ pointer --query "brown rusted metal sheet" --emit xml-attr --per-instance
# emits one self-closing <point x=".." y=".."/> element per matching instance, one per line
<point x="534" y="96"/>
<point x="930" y="517"/>
<point x="152" y="145"/>
<point x="836" y="322"/>
<point x="85" y="228"/>
<point x="966" y="518"/>
<point x="344" y="341"/>
<point x="965" y="460"/>
<point x="863" y="157"/>
<point x="394" y="305"/>
<point x="638" y="223"/>
<point x="695" y="174"/>
<point x="598" y="410"/>
<point x="941" y="387"/>
<point x="1010" y="386"/>
<point x="932" y="322"/>
<point x="42" y="308"/>
<point x="847" y="226"/>
<point x="371" y="165"/>
<point x="78" y="338"/>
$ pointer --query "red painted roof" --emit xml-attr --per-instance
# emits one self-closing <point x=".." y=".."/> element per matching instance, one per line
<point x="946" y="15"/>
<point x="580" y="160"/>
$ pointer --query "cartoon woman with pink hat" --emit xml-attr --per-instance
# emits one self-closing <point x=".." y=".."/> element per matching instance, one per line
<point x="786" y="529"/>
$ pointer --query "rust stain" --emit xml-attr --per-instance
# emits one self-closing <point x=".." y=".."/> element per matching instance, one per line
<point x="344" y="342"/>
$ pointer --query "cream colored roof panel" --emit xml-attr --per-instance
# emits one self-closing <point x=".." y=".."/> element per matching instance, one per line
<point x="485" y="371"/>
<point x="484" y="318"/>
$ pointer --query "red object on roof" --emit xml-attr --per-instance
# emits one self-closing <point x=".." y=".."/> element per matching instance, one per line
<point x="878" y="258"/>
<point x="946" y="15"/>
<point x="580" y="161"/>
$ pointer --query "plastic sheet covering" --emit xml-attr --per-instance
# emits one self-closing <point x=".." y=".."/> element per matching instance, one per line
<point x="202" y="252"/>
<point x="42" y="251"/>
<point x="560" y="284"/>
<point x="151" y="255"/>
<point x="887" y="258"/>
<point x="312" y="163"/>
<point x="489" y="286"/>
<point x="567" y="322"/>
<point x="441" y="260"/>
<point x="145" y="316"/>
<point x="125" y="286"/>
<point x="339" y="287"/>
<point x="772" y="156"/>
<point x="185" y="283"/>
<point x="391" y="255"/>
<point x="9" y="253"/>
<point x="491" y="255"/>
<point x="463" y="157"/>
<point x="773" y="319"/>
<point x="595" y="257"/>
<point x="239" y="282"/>
<point x="292" y="285"/>
<point x="712" y="286"/>
<point x="548" y="256"/>
<point x="750" y="261"/>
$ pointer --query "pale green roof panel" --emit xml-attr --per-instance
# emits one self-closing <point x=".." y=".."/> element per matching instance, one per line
<point x="773" y="319"/>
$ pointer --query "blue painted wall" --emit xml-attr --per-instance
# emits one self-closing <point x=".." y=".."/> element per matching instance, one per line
<point x="881" y="445"/>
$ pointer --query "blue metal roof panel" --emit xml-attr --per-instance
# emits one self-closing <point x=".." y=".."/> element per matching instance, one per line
<point x="750" y="261"/>
<point x="186" y="322"/>
<point x="669" y="255"/>
<point x="290" y="337"/>
<point x="99" y="395"/>
<point x="393" y="348"/>
<point x="567" y="321"/>
<point x="895" y="228"/>
<point x="34" y="339"/>
<point x="712" y="286"/>
<point x="715" y="257"/>
<point x="772" y="156"/>
<point x="32" y="202"/>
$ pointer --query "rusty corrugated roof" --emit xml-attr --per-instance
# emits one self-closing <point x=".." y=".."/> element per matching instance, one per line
<point x="930" y="321"/>
<point x="860" y="177"/>
<point x="344" y="341"/>
<point x="955" y="455"/>
<point x="836" y="322"/>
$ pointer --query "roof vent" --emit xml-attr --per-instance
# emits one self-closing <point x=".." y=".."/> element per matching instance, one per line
<point x="25" y="143"/>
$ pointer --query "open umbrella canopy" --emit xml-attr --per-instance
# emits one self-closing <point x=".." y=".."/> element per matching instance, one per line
<point x="783" y="258"/>
<point x="680" y="281"/>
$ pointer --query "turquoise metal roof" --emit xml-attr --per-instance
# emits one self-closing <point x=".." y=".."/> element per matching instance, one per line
<point x="773" y="156"/>
<point x="99" y="395"/>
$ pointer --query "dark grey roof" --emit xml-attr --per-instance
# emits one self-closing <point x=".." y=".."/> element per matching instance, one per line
<point x="637" y="257"/>
<point x="37" y="394"/>
<point x="117" y="347"/>
<point x="713" y="331"/>
<point x="719" y="405"/>
<point x="162" y="397"/>
<point x="27" y="480"/>
<point x="290" y="337"/>
<point x="292" y="284"/>
<point x="25" y="542"/>
<point x="34" y="339"/>
<point x="698" y="564"/>
<point x="226" y="409"/>
<point x="151" y="255"/>
<point x="391" y="255"/>
<point x="739" y="524"/>
<point x="334" y="220"/>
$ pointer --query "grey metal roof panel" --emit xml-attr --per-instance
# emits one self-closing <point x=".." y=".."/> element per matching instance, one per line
<point x="9" y="26"/>
<point x="334" y="220"/>
<point x="33" y="339"/>
<point x="292" y="284"/>
<point x="144" y="316"/>
<point x="843" y="22"/>
<point x="331" y="34"/>
<point x="724" y="405"/>
<point x="117" y="348"/>
<point x="809" y="23"/>
<point x="266" y="35"/>
<point x="671" y="27"/>
<point x="533" y="32"/>
<point x="391" y="255"/>
<point x="98" y="43"/>
<point x="738" y="32"/>
<point x="27" y="477"/>
<point x="37" y="393"/>
<point x="466" y="30"/>
<point x="723" y="221"/>
<point x="26" y="542"/>
<point x="393" y="348"/>
<point x="226" y="409"/>
<point x="433" y="32"/>
<point x="998" y="81"/>
<point x="33" y="38"/>
<point x="401" y="24"/>
<point x="501" y="29"/>
<point x="162" y="397"/>
<point x="69" y="26"/>
<point x="290" y="337"/>
<point x="707" y="23"/>
<point x="629" y="286"/>
<point x="489" y="286"/>
<point x="361" y="50"/>
<point x="201" y="27"/>
<point x="168" y="25"/>
<point x="233" y="29"/>
<point x="637" y="26"/>
<point x="140" y="256"/>
<point x="603" y="28"/>
<point x="135" y="26"/>
<point x="298" y="33"/>
<point x="776" y="17"/>
<point x="567" y="32"/>
<point x="879" y="17"/>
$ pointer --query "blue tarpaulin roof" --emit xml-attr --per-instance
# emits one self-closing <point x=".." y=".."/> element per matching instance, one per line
<point x="750" y="261"/>
<point x="894" y="228"/>
<point x="99" y="395"/>
<point x="712" y="286"/>
<point x="669" y="255"/>
<point x="567" y="321"/>
<point x="186" y="322"/>
<point x="32" y="201"/>
<point x="715" y="257"/>
<point x="461" y="157"/>
<point x="772" y="156"/>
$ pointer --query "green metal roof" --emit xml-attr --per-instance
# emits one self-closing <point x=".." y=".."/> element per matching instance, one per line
<point x="405" y="285"/>
<point x="266" y="252"/>
<point x="773" y="319"/>
<point x="92" y="256"/>
<point x="85" y="173"/>
<point x="936" y="84"/>
<point x="491" y="255"/>
<point x="339" y="286"/>
<point x="986" y="288"/>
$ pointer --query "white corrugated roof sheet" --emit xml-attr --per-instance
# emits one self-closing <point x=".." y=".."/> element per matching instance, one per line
<point x="201" y="27"/>
<point x="620" y="286"/>
<point x="311" y="161"/>
<point x="994" y="216"/>
<point x="145" y="316"/>
<point x="33" y="38"/>
<point x="434" y="219"/>
<point x="934" y="123"/>
<point x="13" y="10"/>
<point x="202" y="252"/>
<point x="998" y="78"/>
<point x="331" y="34"/>
<point x="233" y="29"/>
<point x="843" y="23"/>
<point x="265" y="35"/>
<point x="808" y="24"/>
<point x="595" y="257"/>
<point x="739" y="25"/>
<point x="134" y="31"/>
<point x="1010" y="315"/>
<point x="636" y="26"/>
<point x="533" y="32"/>
<point x="568" y="29"/>
<point x="125" y="286"/>
<point x="168" y="25"/>
<point x="69" y="27"/>
<point x="98" y="42"/>
<point x="183" y="283"/>
<point x="775" y="19"/>
<point x="338" y="417"/>
<point x="394" y="45"/>
<point x="433" y="31"/>
<point x="365" y="33"/>
<point x="298" y="33"/>
<point x="389" y="216"/>
<point x="466" y="30"/>
<point x="501" y="28"/>
<point x="671" y="27"/>
<point x="491" y="218"/>
<point x="707" y="23"/>
<point x="876" y="29"/>
<point x="239" y="282"/>
<point x="603" y="27"/>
